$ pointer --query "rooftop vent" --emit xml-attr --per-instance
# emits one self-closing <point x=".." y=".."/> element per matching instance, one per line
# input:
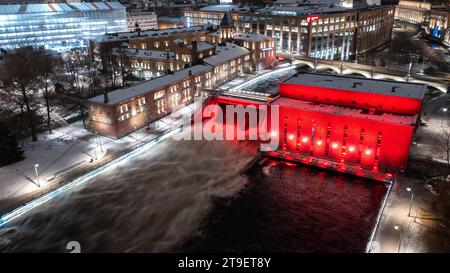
<point x="105" y="97"/>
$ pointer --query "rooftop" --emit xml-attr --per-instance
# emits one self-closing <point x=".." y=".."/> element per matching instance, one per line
<point x="144" y="53"/>
<point x="253" y="37"/>
<point x="223" y="8"/>
<point x="149" y="33"/>
<point x="139" y="89"/>
<point x="202" y="46"/>
<point x="310" y="2"/>
<point x="140" y="13"/>
<point x="59" y="7"/>
<point x="344" y="111"/>
<point x="302" y="10"/>
<point x="225" y="53"/>
<point x="384" y="87"/>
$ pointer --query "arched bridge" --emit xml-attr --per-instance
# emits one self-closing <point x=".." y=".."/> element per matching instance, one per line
<point x="373" y="72"/>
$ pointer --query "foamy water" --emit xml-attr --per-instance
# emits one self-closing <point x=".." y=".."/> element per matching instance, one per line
<point x="152" y="203"/>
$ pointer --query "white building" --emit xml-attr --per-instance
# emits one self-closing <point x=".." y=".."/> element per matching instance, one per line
<point x="142" y="20"/>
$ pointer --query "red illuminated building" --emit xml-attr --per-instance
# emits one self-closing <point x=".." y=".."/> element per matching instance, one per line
<point x="353" y="125"/>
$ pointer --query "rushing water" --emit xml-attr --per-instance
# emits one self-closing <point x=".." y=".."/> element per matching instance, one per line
<point x="198" y="196"/>
<point x="151" y="203"/>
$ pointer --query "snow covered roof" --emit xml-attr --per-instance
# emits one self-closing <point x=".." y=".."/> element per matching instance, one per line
<point x="202" y="46"/>
<point x="302" y="10"/>
<point x="224" y="8"/>
<point x="311" y="2"/>
<point x="252" y="37"/>
<point x="140" y="89"/>
<point x="344" y="111"/>
<point x="226" y="53"/>
<point x="149" y="33"/>
<point x="384" y="87"/>
<point x="144" y="53"/>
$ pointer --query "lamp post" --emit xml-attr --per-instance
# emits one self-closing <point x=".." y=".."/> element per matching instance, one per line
<point x="36" y="166"/>
<point x="99" y="141"/>
<point x="444" y="109"/>
<point x="400" y="229"/>
<point x="411" y="200"/>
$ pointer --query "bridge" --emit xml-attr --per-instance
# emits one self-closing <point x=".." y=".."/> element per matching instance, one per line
<point x="372" y="72"/>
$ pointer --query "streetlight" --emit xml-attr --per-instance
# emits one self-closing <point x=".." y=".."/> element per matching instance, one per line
<point x="411" y="201"/>
<point x="444" y="109"/>
<point x="99" y="140"/>
<point x="36" y="166"/>
<point x="400" y="229"/>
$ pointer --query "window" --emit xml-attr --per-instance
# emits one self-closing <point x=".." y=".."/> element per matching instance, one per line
<point x="124" y="108"/>
<point x="173" y="88"/>
<point x="160" y="106"/>
<point x="159" y="94"/>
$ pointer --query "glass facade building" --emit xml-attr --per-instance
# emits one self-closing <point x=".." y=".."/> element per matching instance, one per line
<point x="59" y="26"/>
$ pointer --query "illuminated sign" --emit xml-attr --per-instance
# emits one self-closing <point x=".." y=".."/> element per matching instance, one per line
<point x="436" y="32"/>
<point x="312" y="18"/>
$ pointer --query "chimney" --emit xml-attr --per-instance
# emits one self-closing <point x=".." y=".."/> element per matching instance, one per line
<point x="194" y="46"/>
<point x="195" y="58"/>
<point x="105" y="97"/>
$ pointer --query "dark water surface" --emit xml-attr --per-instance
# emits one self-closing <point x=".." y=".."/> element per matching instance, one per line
<point x="288" y="208"/>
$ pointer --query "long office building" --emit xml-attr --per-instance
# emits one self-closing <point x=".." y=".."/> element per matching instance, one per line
<point x="326" y="32"/>
<point x="414" y="12"/>
<point x="59" y="26"/>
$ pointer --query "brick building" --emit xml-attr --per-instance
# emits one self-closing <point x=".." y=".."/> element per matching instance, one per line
<point x="120" y="112"/>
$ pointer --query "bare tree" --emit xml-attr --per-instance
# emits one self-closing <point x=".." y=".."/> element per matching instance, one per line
<point x="19" y="81"/>
<point x="82" y="76"/>
<point x="123" y="62"/>
<point x="47" y="67"/>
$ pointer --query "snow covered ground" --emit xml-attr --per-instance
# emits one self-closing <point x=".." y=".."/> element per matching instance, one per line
<point x="407" y="224"/>
<point x="431" y="139"/>
<point x="68" y="149"/>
